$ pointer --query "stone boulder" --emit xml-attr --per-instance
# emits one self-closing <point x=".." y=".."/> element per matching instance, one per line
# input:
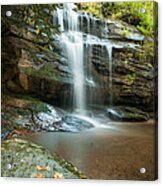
<point x="123" y="113"/>
<point x="24" y="159"/>
<point x="19" y="114"/>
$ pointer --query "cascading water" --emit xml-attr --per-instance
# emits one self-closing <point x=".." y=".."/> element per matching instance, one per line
<point x="85" y="45"/>
<point x="72" y="43"/>
<point x="77" y="40"/>
<point x="109" y="50"/>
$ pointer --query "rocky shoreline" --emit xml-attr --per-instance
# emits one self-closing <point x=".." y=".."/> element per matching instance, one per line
<point x="30" y="115"/>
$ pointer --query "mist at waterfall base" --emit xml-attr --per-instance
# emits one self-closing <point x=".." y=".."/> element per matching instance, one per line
<point x="76" y="43"/>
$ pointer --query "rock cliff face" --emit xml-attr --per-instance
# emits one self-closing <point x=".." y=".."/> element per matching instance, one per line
<point x="132" y="77"/>
<point x="31" y="68"/>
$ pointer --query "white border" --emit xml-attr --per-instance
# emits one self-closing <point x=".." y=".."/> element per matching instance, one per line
<point x="50" y="182"/>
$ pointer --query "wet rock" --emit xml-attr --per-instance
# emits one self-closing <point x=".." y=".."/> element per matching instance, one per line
<point x="25" y="159"/>
<point x="24" y="81"/>
<point x="123" y="113"/>
<point x="75" y="124"/>
<point x="4" y="134"/>
<point x="32" y="64"/>
<point x="13" y="87"/>
<point x="37" y="116"/>
<point x="63" y="61"/>
<point x="49" y="121"/>
<point x="123" y="31"/>
<point x="114" y="114"/>
<point x="64" y="69"/>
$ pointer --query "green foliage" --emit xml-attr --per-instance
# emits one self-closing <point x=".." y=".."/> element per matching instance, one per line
<point x="149" y="48"/>
<point x="139" y="14"/>
<point x="143" y="30"/>
<point x="93" y="8"/>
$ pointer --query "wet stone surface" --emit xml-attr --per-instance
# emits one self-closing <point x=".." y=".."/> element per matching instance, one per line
<point x="21" y="158"/>
<point x="120" y="113"/>
<point x="21" y="116"/>
<point x="75" y="124"/>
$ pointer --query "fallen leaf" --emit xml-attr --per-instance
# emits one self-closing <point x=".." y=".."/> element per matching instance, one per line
<point x="58" y="176"/>
<point x="41" y="168"/>
<point x="40" y="176"/>
<point x="38" y="30"/>
<point x="83" y="177"/>
<point x="19" y="132"/>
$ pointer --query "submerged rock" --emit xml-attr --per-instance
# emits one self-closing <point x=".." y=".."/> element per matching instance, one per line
<point x="21" y="158"/>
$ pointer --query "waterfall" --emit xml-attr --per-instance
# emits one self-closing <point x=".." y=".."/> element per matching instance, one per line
<point x="72" y="44"/>
<point x="77" y="39"/>
<point x="58" y="19"/>
<point x="109" y="50"/>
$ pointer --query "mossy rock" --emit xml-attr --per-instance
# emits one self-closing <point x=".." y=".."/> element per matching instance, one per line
<point x="18" y="111"/>
<point x="21" y="158"/>
<point x="123" y="113"/>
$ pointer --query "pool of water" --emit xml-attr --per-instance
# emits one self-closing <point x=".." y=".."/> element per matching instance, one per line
<point x="116" y="152"/>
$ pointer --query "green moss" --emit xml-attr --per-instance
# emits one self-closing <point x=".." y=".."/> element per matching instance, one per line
<point x="125" y="33"/>
<point x="48" y="71"/>
<point x="131" y="77"/>
<point x="28" y="71"/>
<point x="125" y="62"/>
<point x="150" y="65"/>
<point x="131" y="113"/>
<point x="39" y="107"/>
<point x="69" y="166"/>
<point x="26" y="97"/>
<point x="28" y="167"/>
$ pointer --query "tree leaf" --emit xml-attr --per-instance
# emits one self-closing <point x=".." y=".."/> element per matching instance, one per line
<point x="40" y="176"/>
<point x="58" y="176"/>
<point x="41" y="168"/>
<point x="38" y="31"/>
